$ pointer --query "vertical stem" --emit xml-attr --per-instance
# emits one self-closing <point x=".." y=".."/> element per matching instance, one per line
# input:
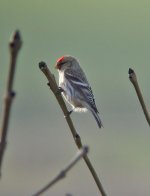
<point x="14" y="47"/>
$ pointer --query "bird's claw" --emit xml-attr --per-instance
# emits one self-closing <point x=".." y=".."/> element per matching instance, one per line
<point x="59" y="91"/>
<point x="68" y="113"/>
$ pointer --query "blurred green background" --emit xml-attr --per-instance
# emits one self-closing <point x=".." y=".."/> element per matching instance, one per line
<point x="108" y="37"/>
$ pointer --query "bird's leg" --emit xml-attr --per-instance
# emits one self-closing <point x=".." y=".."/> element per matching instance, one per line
<point x="59" y="91"/>
<point x="68" y="113"/>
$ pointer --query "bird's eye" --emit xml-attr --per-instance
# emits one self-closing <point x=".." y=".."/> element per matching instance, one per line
<point x="61" y="63"/>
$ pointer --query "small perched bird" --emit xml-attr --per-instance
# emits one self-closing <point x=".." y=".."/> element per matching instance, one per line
<point x="75" y="87"/>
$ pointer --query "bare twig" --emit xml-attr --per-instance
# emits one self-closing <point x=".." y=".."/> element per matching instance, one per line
<point x="54" y="87"/>
<point x="82" y="152"/>
<point x="133" y="79"/>
<point x="14" y="46"/>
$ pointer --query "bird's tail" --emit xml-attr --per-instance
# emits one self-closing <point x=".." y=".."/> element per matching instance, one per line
<point x="97" y="118"/>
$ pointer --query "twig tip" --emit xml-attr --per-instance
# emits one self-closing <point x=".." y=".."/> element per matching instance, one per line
<point x="42" y="64"/>
<point x="131" y="71"/>
<point x="17" y="35"/>
<point x="15" y="41"/>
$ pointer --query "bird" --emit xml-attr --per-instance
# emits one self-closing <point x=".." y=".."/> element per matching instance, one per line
<point x="75" y="87"/>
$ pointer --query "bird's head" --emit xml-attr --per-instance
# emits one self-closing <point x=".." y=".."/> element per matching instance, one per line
<point x="64" y="62"/>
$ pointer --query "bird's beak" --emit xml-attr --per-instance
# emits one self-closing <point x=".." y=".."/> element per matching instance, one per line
<point x="56" y="66"/>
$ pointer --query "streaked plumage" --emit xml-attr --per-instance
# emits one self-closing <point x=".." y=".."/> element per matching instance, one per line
<point x="76" y="88"/>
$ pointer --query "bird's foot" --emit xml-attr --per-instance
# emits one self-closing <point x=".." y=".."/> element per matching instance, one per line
<point x="68" y="113"/>
<point x="59" y="91"/>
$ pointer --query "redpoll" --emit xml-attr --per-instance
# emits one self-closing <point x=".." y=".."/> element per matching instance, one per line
<point x="75" y="87"/>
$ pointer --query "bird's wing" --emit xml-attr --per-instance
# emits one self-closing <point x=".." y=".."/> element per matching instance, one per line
<point x="80" y="84"/>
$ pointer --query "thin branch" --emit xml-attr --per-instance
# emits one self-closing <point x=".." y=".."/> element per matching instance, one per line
<point x="54" y="87"/>
<point x="82" y="152"/>
<point x="133" y="79"/>
<point x="14" y="47"/>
